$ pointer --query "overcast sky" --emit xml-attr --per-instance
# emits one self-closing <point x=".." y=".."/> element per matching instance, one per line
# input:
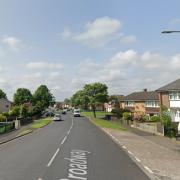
<point x="68" y="43"/>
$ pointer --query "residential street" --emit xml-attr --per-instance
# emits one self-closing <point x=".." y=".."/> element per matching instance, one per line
<point x="69" y="149"/>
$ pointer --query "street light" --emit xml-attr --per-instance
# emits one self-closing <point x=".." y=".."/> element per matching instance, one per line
<point x="168" y="32"/>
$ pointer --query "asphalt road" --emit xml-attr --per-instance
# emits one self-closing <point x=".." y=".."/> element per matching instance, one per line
<point x="73" y="149"/>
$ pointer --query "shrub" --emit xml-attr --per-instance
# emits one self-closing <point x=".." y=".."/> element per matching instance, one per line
<point x="2" y="118"/>
<point x="15" y="111"/>
<point x="139" y="118"/>
<point x="170" y="128"/>
<point x="155" y="118"/>
<point x="5" y="114"/>
<point x="119" y="112"/>
<point x="127" y="116"/>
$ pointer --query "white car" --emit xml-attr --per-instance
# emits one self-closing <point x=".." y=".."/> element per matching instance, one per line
<point x="57" y="117"/>
<point x="77" y="113"/>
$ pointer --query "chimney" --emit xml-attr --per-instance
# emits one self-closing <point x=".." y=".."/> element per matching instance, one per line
<point x="145" y="90"/>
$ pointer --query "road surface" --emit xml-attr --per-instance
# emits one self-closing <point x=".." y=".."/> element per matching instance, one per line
<point x="73" y="149"/>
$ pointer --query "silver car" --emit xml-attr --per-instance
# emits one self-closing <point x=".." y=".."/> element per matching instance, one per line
<point x="57" y="117"/>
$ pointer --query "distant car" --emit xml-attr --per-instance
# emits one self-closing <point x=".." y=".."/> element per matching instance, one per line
<point x="64" y="111"/>
<point x="57" y="117"/>
<point x="77" y="113"/>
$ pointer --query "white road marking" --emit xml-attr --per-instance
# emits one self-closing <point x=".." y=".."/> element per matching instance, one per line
<point x="137" y="159"/>
<point x="63" y="140"/>
<point x="130" y="152"/>
<point x="52" y="159"/>
<point x="148" y="169"/>
<point x="124" y="147"/>
<point x="39" y="178"/>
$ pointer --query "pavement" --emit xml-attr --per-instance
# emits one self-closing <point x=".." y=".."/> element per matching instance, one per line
<point x="159" y="156"/>
<point x="13" y="134"/>
<point x="67" y="150"/>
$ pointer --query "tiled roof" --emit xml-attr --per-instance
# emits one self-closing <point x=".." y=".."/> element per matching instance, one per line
<point x="142" y="96"/>
<point x="175" y="85"/>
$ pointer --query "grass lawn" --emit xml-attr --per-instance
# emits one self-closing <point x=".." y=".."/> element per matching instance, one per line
<point x="41" y="123"/>
<point x="103" y="123"/>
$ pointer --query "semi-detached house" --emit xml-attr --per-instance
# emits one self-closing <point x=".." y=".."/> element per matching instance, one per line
<point x="169" y="96"/>
<point x="141" y="103"/>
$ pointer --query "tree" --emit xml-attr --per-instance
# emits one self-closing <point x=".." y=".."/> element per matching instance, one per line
<point x="2" y="94"/>
<point x="96" y="94"/>
<point x="116" y="99"/>
<point x="80" y="99"/>
<point x="43" y="97"/>
<point x="22" y="96"/>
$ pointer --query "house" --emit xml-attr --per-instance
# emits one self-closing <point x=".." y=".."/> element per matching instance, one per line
<point x="141" y="103"/>
<point x="109" y="106"/>
<point x="169" y="96"/>
<point x="5" y="105"/>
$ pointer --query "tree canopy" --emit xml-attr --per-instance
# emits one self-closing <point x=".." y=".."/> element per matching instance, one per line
<point x="43" y="97"/>
<point x="2" y="94"/>
<point x="92" y="94"/>
<point x="22" y="96"/>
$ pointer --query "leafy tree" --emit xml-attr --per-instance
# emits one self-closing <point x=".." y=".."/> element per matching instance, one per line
<point x="43" y="97"/>
<point x="2" y="118"/>
<point x="80" y="99"/>
<point x="22" y="96"/>
<point x="2" y="94"/>
<point x="96" y="94"/>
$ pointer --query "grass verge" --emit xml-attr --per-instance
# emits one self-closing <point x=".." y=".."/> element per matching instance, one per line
<point x="103" y="123"/>
<point x="41" y="123"/>
<point x="25" y="132"/>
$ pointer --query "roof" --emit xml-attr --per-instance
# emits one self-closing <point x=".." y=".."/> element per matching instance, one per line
<point x="142" y="96"/>
<point x="175" y="85"/>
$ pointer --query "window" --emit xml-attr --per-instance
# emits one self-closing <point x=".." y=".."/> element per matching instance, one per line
<point x="129" y="103"/>
<point x="177" y="114"/>
<point x="152" y="104"/>
<point x="174" y="95"/>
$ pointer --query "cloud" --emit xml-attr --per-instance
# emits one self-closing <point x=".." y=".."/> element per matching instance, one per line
<point x="130" y="71"/>
<point x="13" y="43"/>
<point x="44" y="65"/>
<point x="129" y="39"/>
<point x="99" y="33"/>
<point x="175" y="21"/>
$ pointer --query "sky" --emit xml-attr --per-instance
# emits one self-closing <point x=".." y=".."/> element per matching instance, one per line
<point x="66" y="44"/>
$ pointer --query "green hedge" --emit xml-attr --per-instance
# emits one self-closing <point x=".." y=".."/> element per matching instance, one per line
<point x="6" y="127"/>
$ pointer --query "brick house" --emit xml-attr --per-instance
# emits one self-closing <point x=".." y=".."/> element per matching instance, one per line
<point x="169" y="96"/>
<point x="141" y="103"/>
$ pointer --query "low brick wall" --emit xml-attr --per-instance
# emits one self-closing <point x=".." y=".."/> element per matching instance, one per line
<point x="155" y="128"/>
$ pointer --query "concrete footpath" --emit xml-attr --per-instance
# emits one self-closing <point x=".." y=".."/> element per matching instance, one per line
<point x="15" y="134"/>
<point x="158" y="156"/>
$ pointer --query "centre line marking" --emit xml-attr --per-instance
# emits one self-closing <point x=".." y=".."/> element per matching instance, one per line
<point x="64" y="140"/>
<point x="52" y="159"/>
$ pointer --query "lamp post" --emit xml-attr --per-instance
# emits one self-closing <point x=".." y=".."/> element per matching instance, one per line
<point x="168" y="32"/>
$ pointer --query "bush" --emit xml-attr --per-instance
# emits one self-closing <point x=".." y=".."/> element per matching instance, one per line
<point x="139" y="118"/>
<point x="170" y="128"/>
<point x="15" y="111"/>
<point x="155" y="118"/>
<point x="119" y="112"/>
<point x="5" y="114"/>
<point x="2" y="118"/>
<point x="127" y="116"/>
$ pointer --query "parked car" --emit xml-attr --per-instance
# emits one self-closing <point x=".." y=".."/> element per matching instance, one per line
<point x="77" y="113"/>
<point x="57" y="117"/>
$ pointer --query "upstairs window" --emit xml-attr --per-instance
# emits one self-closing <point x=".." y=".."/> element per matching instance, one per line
<point x="129" y="103"/>
<point x="174" y="95"/>
<point x="152" y="104"/>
